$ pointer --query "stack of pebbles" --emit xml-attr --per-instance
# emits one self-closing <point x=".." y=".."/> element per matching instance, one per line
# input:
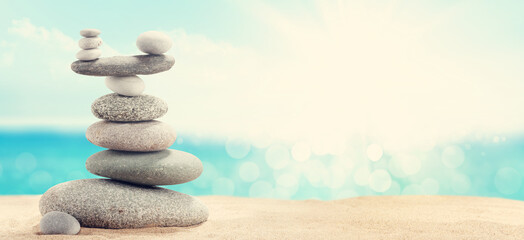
<point x="138" y="159"/>
<point x="89" y="45"/>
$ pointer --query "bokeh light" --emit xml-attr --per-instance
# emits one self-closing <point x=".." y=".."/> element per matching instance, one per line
<point x="291" y="170"/>
<point x="261" y="189"/>
<point x="287" y="180"/>
<point x="361" y="176"/>
<point x="249" y="171"/>
<point x="394" y="189"/>
<point x="301" y="151"/>
<point x="287" y="183"/>
<point x="277" y="157"/>
<point x="374" y="152"/>
<point x="403" y="165"/>
<point x="412" y="189"/>
<point x="430" y="186"/>
<point x="315" y="170"/>
<point x="223" y="186"/>
<point x="40" y="179"/>
<point x="334" y="177"/>
<point x="395" y="168"/>
<point x="379" y="180"/>
<point x="25" y="162"/>
<point x="453" y="156"/>
<point x="237" y="148"/>
<point x="283" y="192"/>
<point x="410" y="164"/>
<point x="261" y="141"/>
<point x="460" y="183"/>
<point x="346" y="194"/>
<point x="345" y="162"/>
<point x="508" y="180"/>
<point x="76" y="174"/>
<point x="205" y="180"/>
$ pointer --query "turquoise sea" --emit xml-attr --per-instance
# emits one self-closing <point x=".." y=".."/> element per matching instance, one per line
<point x="33" y="161"/>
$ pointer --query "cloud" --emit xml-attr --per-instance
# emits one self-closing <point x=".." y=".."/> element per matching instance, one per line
<point x="397" y="72"/>
<point x="40" y="40"/>
<point x="40" y="35"/>
<point x="39" y="84"/>
<point x="7" y="59"/>
<point x="51" y="37"/>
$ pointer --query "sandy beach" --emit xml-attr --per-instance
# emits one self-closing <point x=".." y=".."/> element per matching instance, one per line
<point x="384" y="217"/>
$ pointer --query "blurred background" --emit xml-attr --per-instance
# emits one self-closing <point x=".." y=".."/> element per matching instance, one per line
<point x="283" y="99"/>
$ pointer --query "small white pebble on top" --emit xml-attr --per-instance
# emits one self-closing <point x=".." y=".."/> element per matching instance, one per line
<point x="90" y="32"/>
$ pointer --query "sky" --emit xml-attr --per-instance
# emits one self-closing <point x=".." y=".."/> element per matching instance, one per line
<point x="407" y="72"/>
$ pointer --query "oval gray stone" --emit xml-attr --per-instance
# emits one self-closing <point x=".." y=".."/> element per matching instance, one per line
<point x="154" y="42"/>
<point x="128" y="86"/>
<point x="125" y="65"/>
<point x="105" y="203"/>
<point x="166" y="167"/>
<point x="136" y="137"/>
<point x="118" y="108"/>
<point x="59" y="223"/>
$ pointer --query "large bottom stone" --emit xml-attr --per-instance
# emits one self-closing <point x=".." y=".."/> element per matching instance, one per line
<point x="105" y="203"/>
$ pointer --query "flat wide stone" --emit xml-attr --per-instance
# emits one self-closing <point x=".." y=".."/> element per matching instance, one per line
<point x="146" y="136"/>
<point x="167" y="167"/>
<point x="124" y="65"/>
<point x="118" y="108"/>
<point x="105" y="203"/>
